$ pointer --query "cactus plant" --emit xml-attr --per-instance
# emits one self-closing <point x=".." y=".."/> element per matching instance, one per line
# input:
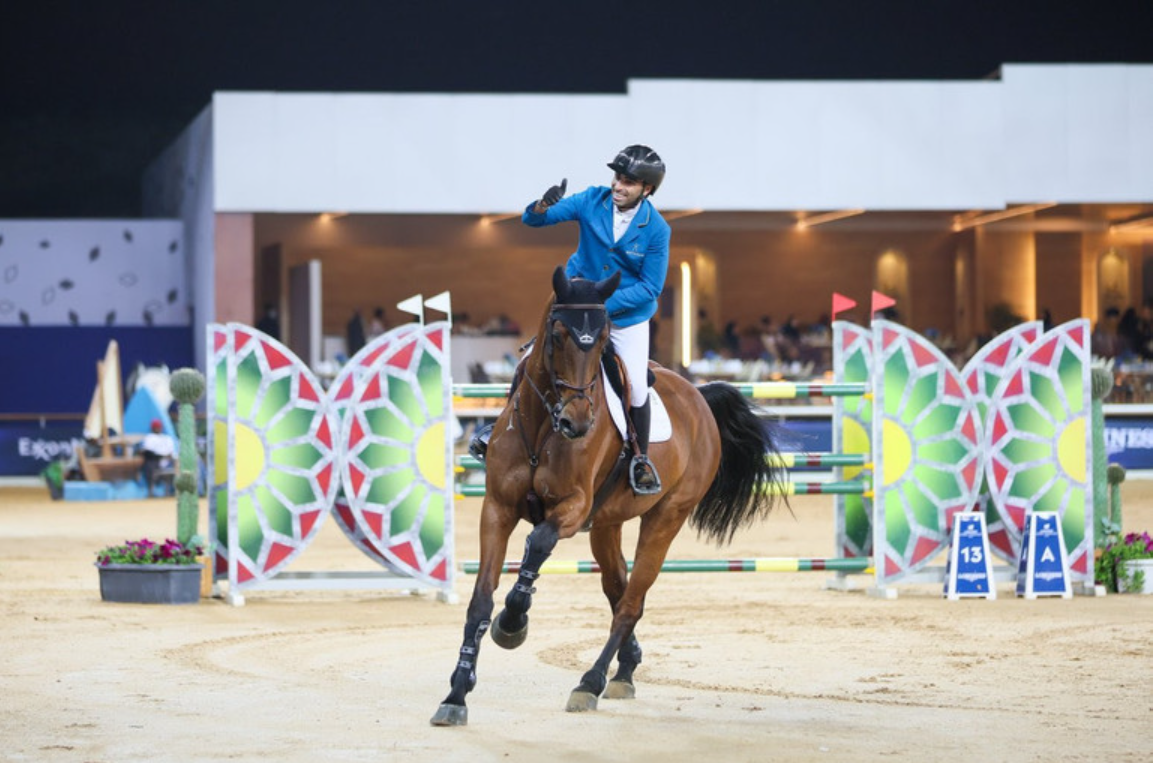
<point x="1111" y="524"/>
<point x="187" y="386"/>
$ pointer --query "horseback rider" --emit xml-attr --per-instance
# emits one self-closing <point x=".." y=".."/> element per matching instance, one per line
<point x="620" y="229"/>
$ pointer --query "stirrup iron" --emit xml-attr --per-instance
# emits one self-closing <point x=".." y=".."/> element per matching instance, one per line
<point x="641" y="462"/>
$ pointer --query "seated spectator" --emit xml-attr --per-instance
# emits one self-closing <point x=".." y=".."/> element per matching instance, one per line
<point x="159" y="450"/>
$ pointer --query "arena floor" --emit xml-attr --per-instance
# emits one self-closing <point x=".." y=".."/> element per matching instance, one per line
<point x="737" y="666"/>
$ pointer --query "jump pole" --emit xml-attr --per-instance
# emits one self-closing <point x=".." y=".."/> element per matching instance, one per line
<point x="786" y="460"/>
<point x="758" y="564"/>
<point x="756" y="391"/>
<point x="787" y="488"/>
<point x="778" y="390"/>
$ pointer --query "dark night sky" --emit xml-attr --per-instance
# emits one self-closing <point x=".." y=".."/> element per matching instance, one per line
<point x="91" y="92"/>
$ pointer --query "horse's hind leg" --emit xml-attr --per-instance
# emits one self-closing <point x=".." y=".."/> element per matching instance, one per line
<point x="658" y="528"/>
<point x="606" y="547"/>
<point x="510" y="628"/>
<point x="621" y="685"/>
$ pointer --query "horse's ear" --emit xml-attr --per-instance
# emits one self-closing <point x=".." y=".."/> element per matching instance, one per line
<point x="606" y="287"/>
<point x="560" y="285"/>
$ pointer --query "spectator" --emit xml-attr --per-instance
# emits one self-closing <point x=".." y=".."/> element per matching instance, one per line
<point x="269" y="323"/>
<point x="378" y="325"/>
<point x="354" y="333"/>
<point x="159" y="450"/>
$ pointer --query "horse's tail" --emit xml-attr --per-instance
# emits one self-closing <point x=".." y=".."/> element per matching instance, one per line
<point x="744" y="489"/>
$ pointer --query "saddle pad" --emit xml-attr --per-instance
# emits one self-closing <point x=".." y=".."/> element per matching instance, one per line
<point x="660" y="426"/>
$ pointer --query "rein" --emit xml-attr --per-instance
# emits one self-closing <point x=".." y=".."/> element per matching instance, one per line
<point x="586" y="341"/>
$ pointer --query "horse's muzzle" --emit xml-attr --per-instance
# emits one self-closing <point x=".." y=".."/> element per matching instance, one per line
<point x="574" y="430"/>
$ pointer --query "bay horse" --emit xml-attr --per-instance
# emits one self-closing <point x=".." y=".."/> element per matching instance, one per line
<point x="557" y="461"/>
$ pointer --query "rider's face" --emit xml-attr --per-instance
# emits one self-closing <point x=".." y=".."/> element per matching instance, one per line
<point x="627" y="193"/>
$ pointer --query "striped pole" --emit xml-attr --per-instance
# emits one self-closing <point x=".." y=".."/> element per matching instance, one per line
<point x="786" y="460"/>
<point x="480" y="390"/>
<point x="761" y="564"/>
<point x="790" y="390"/>
<point x="778" y="390"/>
<point x="788" y="488"/>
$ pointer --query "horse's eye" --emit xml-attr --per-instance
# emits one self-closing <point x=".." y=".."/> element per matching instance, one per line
<point x="557" y="337"/>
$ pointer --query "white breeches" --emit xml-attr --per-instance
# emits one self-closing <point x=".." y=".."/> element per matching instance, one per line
<point x="632" y="346"/>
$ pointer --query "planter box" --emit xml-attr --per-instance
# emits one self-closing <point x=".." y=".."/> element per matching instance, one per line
<point x="1145" y="565"/>
<point x="150" y="583"/>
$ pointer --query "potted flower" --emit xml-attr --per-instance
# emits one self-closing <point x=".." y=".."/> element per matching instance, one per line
<point x="146" y="572"/>
<point x="1126" y="564"/>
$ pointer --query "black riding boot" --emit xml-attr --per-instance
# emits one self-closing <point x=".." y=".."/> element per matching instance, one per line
<point x="478" y="445"/>
<point x="642" y="474"/>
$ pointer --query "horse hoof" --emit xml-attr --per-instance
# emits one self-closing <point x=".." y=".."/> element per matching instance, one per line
<point x="581" y="701"/>
<point x="620" y="690"/>
<point x="507" y="640"/>
<point x="450" y="715"/>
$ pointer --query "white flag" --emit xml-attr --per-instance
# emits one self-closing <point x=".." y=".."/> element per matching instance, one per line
<point x="441" y="303"/>
<point x="414" y="305"/>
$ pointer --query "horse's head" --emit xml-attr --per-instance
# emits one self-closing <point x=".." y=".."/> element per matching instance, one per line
<point x="575" y="334"/>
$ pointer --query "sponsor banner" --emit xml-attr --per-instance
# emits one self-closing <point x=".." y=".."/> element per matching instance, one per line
<point x="1129" y="441"/>
<point x="25" y="449"/>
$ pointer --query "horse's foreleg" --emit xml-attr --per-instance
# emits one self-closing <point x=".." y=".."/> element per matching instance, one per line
<point x="495" y="530"/>
<point x="510" y="628"/>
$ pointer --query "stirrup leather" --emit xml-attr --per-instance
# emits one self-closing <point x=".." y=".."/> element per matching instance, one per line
<point x="649" y="482"/>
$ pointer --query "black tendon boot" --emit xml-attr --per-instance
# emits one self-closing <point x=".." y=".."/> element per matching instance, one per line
<point x="642" y="474"/>
<point x="478" y="445"/>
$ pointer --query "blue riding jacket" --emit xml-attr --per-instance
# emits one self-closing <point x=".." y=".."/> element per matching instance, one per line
<point x="642" y="254"/>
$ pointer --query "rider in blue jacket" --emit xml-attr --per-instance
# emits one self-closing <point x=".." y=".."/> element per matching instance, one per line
<point x="620" y="229"/>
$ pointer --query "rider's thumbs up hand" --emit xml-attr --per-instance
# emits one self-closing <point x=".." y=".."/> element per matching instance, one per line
<point x="554" y="194"/>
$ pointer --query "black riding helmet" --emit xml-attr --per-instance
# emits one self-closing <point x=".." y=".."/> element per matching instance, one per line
<point x="640" y="163"/>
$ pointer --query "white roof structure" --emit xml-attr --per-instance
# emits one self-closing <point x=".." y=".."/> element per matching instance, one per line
<point x="1060" y="133"/>
<point x="1043" y="134"/>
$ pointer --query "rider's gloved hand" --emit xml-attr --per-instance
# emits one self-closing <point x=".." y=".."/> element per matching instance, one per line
<point x="553" y="195"/>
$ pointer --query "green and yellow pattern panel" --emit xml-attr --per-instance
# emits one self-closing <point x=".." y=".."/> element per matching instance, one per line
<point x="981" y="376"/>
<point x="349" y="381"/>
<point x="219" y="347"/>
<point x="926" y="430"/>
<point x="397" y="466"/>
<point x="1040" y="454"/>
<point x="852" y="433"/>
<point x="275" y="455"/>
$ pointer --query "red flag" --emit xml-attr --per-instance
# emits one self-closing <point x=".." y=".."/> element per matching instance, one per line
<point x="880" y="301"/>
<point x="841" y="303"/>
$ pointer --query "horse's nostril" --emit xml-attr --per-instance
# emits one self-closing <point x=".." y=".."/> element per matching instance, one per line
<point x="570" y="430"/>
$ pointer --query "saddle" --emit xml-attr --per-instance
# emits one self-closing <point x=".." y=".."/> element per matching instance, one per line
<point x="616" y="392"/>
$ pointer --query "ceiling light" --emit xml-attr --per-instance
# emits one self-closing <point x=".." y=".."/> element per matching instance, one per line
<point x="487" y="220"/>
<point x="808" y="221"/>
<point x="1139" y="223"/>
<point x="973" y="219"/>
<point x="680" y="213"/>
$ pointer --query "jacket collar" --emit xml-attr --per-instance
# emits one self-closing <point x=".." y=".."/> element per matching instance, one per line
<point x="643" y="217"/>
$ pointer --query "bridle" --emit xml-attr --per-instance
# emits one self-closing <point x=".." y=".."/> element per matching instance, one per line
<point x="586" y="340"/>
